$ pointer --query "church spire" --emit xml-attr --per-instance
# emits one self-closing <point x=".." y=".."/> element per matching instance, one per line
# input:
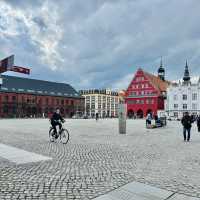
<point x="161" y="62"/>
<point x="161" y="70"/>
<point x="186" y="77"/>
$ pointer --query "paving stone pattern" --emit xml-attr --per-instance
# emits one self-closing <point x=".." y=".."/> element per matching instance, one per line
<point x="97" y="159"/>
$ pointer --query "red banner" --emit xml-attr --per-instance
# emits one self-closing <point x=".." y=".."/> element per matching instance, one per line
<point x="20" y="70"/>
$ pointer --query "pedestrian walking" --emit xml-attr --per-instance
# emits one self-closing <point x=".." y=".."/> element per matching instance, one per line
<point x="187" y="125"/>
<point x="148" y="120"/>
<point x="97" y="116"/>
<point x="198" y="123"/>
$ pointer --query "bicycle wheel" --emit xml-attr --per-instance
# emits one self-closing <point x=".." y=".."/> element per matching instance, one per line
<point x="64" y="136"/>
<point x="51" y="135"/>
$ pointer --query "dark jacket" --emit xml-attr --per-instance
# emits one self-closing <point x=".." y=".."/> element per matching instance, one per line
<point x="187" y="121"/>
<point x="198" y="121"/>
<point x="56" y="117"/>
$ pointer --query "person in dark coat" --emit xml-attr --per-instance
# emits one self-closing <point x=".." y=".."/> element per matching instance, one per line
<point x="55" y="121"/>
<point x="198" y="123"/>
<point x="97" y="116"/>
<point x="187" y="125"/>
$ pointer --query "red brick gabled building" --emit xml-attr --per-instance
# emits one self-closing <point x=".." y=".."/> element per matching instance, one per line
<point x="146" y="93"/>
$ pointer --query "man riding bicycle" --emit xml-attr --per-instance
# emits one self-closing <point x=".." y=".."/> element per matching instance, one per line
<point x="55" y="121"/>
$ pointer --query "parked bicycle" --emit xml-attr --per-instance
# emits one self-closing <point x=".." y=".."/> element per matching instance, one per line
<point x="62" y="134"/>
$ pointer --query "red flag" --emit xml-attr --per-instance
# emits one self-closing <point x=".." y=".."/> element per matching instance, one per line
<point x="6" y="63"/>
<point x="20" y="70"/>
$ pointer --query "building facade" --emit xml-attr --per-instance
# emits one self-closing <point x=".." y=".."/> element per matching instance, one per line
<point x="146" y="93"/>
<point x="104" y="102"/>
<point x="22" y="97"/>
<point x="183" y="97"/>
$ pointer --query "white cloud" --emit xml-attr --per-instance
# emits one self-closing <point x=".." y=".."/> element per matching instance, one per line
<point x="17" y="22"/>
<point x="123" y="83"/>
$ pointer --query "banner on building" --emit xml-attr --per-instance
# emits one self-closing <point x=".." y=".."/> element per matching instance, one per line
<point x="6" y="63"/>
<point x="20" y="70"/>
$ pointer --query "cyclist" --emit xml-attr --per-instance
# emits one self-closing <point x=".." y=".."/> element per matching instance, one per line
<point x="55" y="121"/>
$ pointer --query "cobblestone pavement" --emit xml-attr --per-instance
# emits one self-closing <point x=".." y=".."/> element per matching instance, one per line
<point x="97" y="159"/>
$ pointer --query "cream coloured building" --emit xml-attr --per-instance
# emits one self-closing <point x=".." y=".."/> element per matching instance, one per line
<point x="104" y="102"/>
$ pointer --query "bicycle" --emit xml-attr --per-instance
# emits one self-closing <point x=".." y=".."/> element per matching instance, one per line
<point x="63" y="134"/>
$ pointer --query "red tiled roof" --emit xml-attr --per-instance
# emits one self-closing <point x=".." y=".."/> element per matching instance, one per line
<point x="157" y="82"/>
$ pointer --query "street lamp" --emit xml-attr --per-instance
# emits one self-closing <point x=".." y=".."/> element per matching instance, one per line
<point x="1" y="81"/>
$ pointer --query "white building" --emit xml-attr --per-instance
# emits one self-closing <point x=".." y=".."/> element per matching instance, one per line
<point x="183" y="97"/>
<point x="104" y="102"/>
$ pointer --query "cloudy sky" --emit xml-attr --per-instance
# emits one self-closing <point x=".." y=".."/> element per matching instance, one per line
<point x="100" y="43"/>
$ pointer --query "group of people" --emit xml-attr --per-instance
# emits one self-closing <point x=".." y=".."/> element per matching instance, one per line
<point x="187" y="122"/>
<point x="158" y="122"/>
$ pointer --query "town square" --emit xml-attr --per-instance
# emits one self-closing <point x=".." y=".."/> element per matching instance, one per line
<point x="97" y="159"/>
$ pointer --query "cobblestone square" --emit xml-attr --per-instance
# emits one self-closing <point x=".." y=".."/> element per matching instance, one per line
<point x="97" y="159"/>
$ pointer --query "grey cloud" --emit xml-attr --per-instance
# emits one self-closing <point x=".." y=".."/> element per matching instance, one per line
<point x="24" y="3"/>
<point x="101" y="43"/>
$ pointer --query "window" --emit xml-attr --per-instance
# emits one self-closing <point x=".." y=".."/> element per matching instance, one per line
<point x="184" y="97"/>
<point x="184" y="106"/>
<point x="93" y="99"/>
<point x="139" y="79"/>
<point x="14" y="98"/>
<point x="175" y="97"/>
<point x="175" y="106"/>
<point x="6" y="98"/>
<point x="57" y="101"/>
<point x="133" y="93"/>
<point x="194" y="96"/>
<point x="194" y="106"/>
<point x="175" y="114"/>
<point x="130" y="102"/>
<point x="5" y="109"/>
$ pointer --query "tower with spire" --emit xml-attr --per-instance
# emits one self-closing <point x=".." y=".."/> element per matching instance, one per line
<point x="186" y="78"/>
<point x="161" y="71"/>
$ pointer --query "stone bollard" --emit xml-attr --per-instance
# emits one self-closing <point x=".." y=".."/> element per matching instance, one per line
<point x="122" y="118"/>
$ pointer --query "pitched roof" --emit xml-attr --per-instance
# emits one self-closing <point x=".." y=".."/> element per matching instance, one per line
<point x="157" y="82"/>
<point x="38" y="87"/>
